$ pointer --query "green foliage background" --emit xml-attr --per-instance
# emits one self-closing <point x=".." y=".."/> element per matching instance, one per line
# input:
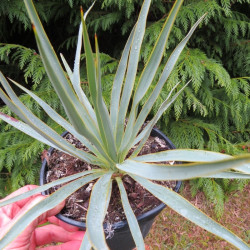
<point x="212" y="113"/>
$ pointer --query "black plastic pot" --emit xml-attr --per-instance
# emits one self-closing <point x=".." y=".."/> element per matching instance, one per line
<point x="122" y="238"/>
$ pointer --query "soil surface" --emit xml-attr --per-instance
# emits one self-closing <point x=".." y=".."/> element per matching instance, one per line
<point x="62" y="165"/>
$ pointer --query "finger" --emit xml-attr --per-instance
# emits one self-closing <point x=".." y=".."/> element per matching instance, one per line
<point x="34" y="201"/>
<point x="7" y="213"/>
<point x="22" y="190"/>
<point x="25" y="236"/>
<point x="65" y="225"/>
<point x="72" y="245"/>
<point x="53" y="233"/>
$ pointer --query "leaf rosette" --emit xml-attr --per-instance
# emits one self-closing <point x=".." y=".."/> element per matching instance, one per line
<point x="101" y="129"/>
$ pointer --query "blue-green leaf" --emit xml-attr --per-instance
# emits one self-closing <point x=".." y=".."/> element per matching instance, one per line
<point x="186" y="155"/>
<point x="86" y="245"/>
<point x="73" y="107"/>
<point x="131" y="70"/>
<point x="189" y="155"/>
<point x="187" y="210"/>
<point x="40" y="127"/>
<point x="180" y="171"/>
<point x="97" y="209"/>
<point x="59" y="119"/>
<point x="118" y="82"/>
<point x="46" y="187"/>
<point x="132" y="221"/>
<point x="43" y="206"/>
<point x="149" y="72"/>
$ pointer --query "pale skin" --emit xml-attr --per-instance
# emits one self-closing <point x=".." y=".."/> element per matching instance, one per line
<point x="33" y="236"/>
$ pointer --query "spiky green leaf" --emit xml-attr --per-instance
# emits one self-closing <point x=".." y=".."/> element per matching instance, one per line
<point x="180" y="171"/>
<point x="100" y="195"/>
<point x="46" y="187"/>
<point x="187" y="210"/>
<point x="132" y="221"/>
<point x="43" y="206"/>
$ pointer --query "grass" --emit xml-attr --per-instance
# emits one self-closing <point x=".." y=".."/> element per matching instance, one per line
<point x="172" y="231"/>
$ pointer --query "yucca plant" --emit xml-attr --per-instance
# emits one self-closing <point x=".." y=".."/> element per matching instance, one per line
<point x="104" y="133"/>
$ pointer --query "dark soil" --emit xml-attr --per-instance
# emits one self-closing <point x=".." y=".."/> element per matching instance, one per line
<point x="62" y="165"/>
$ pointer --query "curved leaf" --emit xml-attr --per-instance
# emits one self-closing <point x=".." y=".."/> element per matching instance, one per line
<point x="74" y="109"/>
<point x="244" y="169"/>
<point x="40" y="127"/>
<point x="43" y="206"/>
<point x="189" y="155"/>
<point x="143" y="136"/>
<point x="24" y="128"/>
<point x="180" y="171"/>
<point x="97" y="209"/>
<point x="132" y="221"/>
<point x="75" y="78"/>
<point x="132" y="129"/>
<point x="186" y="155"/>
<point x="131" y="70"/>
<point x="62" y="122"/>
<point x="86" y="245"/>
<point x="102" y="111"/>
<point x="44" y="187"/>
<point x="229" y="175"/>
<point x="150" y="70"/>
<point x="118" y="82"/>
<point x="94" y="80"/>
<point x="187" y="210"/>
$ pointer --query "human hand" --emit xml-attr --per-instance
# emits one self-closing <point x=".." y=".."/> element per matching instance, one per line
<point x="34" y="236"/>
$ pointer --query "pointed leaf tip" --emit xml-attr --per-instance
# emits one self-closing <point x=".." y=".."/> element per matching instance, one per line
<point x="9" y="117"/>
<point x="33" y="26"/>
<point x="81" y="10"/>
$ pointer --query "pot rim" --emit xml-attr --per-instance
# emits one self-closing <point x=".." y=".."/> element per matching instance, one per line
<point x="121" y="224"/>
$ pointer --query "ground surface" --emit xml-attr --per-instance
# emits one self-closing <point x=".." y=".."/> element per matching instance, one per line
<point x="172" y="231"/>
